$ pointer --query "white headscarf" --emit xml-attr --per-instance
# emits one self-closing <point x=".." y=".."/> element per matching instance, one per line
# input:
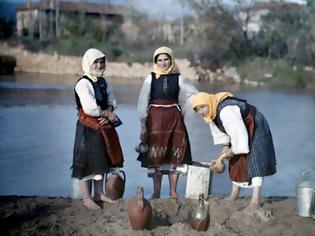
<point x="89" y="57"/>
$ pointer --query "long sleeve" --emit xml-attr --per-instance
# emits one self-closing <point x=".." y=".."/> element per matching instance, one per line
<point x="235" y="128"/>
<point x="186" y="91"/>
<point x="218" y="136"/>
<point x="86" y="94"/>
<point x="143" y="100"/>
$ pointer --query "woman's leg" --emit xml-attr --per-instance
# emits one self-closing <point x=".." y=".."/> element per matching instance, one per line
<point x="173" y="179"/>
<point x="85" y="187"/>
<point x="255" y="200"/>
<point x="234" y="193"/>
<point x="157" y="181"/>
<point x="99" y="194"/>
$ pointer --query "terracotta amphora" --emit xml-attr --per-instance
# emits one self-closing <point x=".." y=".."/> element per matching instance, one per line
<point x="200" y="216"/>
<point x="139" y="211"/>
<point x="115" y="185"/>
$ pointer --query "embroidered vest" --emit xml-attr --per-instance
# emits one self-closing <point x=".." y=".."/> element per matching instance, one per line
<point x="242" y="104"/>
<point x="100" y="91"/>
<point x="166" y="87"/>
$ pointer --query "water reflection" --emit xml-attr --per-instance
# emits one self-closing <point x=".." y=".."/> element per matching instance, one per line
<point x="37" y="122"/>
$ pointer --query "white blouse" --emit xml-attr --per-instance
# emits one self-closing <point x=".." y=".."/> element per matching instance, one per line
<point x="236" y="132"/>
<point x="186" y="90"/>
<point x="85" y="91"/>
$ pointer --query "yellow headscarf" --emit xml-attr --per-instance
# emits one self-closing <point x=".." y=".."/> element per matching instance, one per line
<point x="158" y="70"/>
<point x="211" y="100"/>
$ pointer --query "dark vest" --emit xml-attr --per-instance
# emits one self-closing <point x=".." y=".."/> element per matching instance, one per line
<point x="166" y="87"/>
<point x="242" y="104"/>
<point x="100" y="91"/>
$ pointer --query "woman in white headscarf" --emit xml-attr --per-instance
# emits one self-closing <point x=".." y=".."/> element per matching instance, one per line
<point x="96" y="147"/>
<point x="162" y="125"/>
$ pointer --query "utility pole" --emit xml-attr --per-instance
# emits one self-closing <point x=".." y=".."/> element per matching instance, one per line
<point x="57" y="25"/>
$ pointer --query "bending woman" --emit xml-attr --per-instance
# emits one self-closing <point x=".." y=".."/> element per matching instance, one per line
<point x="246" y="137"/>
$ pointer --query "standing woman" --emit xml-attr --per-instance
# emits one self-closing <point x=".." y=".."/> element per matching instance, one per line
<point x="246" y="137"/>
<point x="162" y="124"/>
<point x="96" y="146"/>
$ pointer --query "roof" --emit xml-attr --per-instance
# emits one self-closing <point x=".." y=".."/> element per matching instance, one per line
<point x="273" y="5"/>
<point x="87" y="7"/>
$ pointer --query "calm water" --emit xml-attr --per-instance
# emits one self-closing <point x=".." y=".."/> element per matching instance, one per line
<point x="38" y="117"/>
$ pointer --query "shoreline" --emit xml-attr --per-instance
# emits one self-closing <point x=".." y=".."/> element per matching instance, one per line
<point x="57" y="64"/>
<point x="34" y="215"/>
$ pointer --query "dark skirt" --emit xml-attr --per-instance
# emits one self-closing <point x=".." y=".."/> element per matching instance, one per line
<point x="89" y="154"/>
<point x="167" y="138"/>
<point x="262" y="159"/>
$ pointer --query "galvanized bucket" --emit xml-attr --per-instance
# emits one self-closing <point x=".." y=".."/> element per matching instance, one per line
<point x="199" y="180"/>
<point x="305" y="196"/>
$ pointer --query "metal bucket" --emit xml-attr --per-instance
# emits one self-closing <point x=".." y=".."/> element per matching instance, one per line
<point x="199" y="180"/>
<point x="305" y="194"/>
<point x="305" y="201"/>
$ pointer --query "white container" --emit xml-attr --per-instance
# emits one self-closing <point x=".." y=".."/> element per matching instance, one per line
<point x="199" y="180"/>
<point x="305" y="195"/>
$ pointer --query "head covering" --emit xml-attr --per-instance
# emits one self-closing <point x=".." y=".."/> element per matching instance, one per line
<point x="211" y="100"/>
<point x="160" y="71"/>
<point x="89" y="57"/>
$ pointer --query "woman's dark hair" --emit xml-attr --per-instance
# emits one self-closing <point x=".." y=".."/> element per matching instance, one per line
<point x="155" y="58"/>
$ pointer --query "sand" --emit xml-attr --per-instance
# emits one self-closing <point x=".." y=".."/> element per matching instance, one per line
<point x="21" y="215"/>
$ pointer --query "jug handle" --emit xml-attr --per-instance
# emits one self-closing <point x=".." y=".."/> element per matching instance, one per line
<point x="123" y="172"/>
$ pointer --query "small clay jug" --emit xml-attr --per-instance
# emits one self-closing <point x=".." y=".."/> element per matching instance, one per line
<point x="139" y="211"/>
<point x="200" y="216"/>
<point x="218" y="166"/>
<point x="115" y="185"/>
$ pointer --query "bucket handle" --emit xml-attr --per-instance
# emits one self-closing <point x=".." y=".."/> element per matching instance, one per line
<point x="305" y="172"/>
<point x="116" y="172"/>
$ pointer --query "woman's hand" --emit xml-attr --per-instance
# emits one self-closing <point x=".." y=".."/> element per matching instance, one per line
<point x="111" y="116"/>
<point x="226" y="152"/>
<point x="143" y="131"/>
<point x="103" y="120"/>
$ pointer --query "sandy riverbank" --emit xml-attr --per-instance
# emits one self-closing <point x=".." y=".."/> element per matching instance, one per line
<point x="63" y="216"/>
<point x="56" y="64"/>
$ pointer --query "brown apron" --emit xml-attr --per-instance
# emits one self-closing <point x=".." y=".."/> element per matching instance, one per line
<point x="108" y="134"/>
<point x="238" y="163"/>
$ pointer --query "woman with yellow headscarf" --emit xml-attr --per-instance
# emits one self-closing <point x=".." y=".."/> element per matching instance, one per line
<point x="246" y="137"/>
<point x="164" y="92"/>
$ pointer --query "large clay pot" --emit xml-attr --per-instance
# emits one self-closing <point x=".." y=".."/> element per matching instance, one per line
<point x="115" y="185"/>
<point x="200" y="216"/>
<point x="139" y="211"/>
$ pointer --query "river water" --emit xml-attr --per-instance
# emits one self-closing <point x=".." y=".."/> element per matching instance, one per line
<point x="38" y="117"/>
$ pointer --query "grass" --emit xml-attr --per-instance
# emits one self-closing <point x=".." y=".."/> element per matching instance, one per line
<point x="275" y="72"/>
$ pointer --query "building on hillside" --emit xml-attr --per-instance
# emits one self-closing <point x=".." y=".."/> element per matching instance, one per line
<point x="46" y="19"/>
<point x="251" y="17"/>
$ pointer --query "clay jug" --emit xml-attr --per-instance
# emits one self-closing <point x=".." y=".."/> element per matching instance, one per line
<point x="139" y="211"/>
<point x="200" y="216"/>
<point x="115" y="185"/>
<point x="218" y="166"/>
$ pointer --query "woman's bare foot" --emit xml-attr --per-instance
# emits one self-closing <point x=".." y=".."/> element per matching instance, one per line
<point x="231" y="198"/>
<point x="155" y="196"/>
<point x="234" y="193"/>
<point x="90" y="204"/>
<point x="105" y="199"/>
<point x="253" y="205"/>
